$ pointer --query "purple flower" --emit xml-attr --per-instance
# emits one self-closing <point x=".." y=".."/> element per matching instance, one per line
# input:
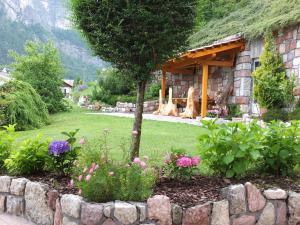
<point x="82" y="87"/>
<point x="58" y="147"/>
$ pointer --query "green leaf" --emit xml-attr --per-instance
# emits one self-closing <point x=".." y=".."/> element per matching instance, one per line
<point x="228" y="159"/>
<point x="229" y="173"/>
<point x="284" y="154"/>
<point x="255" y="154"/>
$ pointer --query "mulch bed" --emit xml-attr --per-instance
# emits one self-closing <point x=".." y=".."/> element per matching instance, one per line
<point x="189" y="193"/>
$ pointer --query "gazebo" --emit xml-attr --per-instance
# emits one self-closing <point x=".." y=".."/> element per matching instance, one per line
<point x="219" y="54"/>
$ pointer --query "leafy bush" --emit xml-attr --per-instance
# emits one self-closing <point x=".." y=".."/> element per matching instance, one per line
<point x="234" y="111"/>
<point x="29" y="158"/>
<point x="21" y="105"/>
<point x="41" y="67"/>
<point x="100" y="179"/>
<point x="179" y="165"/>
<point x="281" y="148"/>
<point x="153" y="91"/>
<point x="7" y="138"/>
<point x="63" y="154"/>
<point x="272" y="87"/>
<point x="295" y="114"/>
<point x="231" y="149"/>
<point x="275" y="114"/>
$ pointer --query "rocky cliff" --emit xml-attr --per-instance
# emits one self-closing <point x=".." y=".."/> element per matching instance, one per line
<point x="45" y="20"/>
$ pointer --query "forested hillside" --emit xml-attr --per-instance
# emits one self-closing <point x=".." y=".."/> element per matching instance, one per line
<point x="75" y="54"/>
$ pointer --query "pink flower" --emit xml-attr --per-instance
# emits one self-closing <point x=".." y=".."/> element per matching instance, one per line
<point x="137" y="160"/>
<point x="88" y="178"/>
<point x="195" y="160"/>
<point x="184" y="162"/>
<point x="80" y="177"/>
<point x="167" y="161"/>
<point x="82" y="141"/>
<point x="111" y="174"/>
<point x="91" y="170"/>
<point x="135" y="132"/>
<point x="146" y="158"/>
<point x="143" y="164"/>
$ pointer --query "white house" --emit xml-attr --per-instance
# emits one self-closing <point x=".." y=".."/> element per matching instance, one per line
<point x="67" y="88"/>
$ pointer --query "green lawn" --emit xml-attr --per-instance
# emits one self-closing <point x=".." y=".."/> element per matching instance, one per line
<point x="157" y="137"/>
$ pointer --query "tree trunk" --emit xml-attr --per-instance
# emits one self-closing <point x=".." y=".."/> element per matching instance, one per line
<point x="138" y="119"/>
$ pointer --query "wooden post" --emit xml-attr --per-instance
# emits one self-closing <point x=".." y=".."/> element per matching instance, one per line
<point x="163" y="84"/>
<point x="204" y="90"/>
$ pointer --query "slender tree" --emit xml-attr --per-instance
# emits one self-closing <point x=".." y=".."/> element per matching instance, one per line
<point x="135" y="36"/>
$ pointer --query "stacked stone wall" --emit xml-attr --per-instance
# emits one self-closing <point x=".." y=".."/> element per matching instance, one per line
<point x="241" y="205"/>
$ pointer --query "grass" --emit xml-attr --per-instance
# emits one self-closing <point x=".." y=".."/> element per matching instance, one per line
<point x="157" y="137"/>
<point x="252" y="21"/>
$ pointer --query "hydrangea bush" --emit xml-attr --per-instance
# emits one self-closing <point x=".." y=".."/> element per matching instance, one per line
<point x="179" y="165"/>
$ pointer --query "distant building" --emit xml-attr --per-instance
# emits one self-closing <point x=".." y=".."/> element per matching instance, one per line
<point x="4" y="76"/>
<point x="67" y="88"/>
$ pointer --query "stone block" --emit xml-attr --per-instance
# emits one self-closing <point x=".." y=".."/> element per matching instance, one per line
<point x="52" y="197"/>
<point x="298" y="44"/>
<point x="91" y="214"/>
<point x="197" y="215"/>
<point x="58" y="216"/>
<point x="68" y="221"/>
<point x="241" y="100"/>
<point x="282" y="49"/>
<point x="242" y="73"/>
<point x="15" y="205"/>
<point x="5" y="184"/>
<point x="293" y="44"/>
<point x="236" y="195"/>
<point x="275" y="194"/>
<point x="243" y="66"/>
<point x="176" y="214"/>
<point x="294" y="208"/>
<point x="125" y="213"/>
<point x="244" y="220"/>
<point x="2" y="203"/>
<point x="245" y="53"/>
<point x="281" y="213"/>
<point x="142" y="210"/>
<point x="268" y="215"/>
<point x="256" y="200"/>
<point x="296" y="91"/>
<point x="297" y="52"/>
<point x="37" y="209"/>
<point x="159" y="208"/>
<point x="220" y="213"/>
<point x="296" y="61"/>
<point x="17" y="186"/>
<point x="285" y="58"/>
<point x="109" y="222"/>
<point x="108" y="209"/>
<point x="71" y="205"/>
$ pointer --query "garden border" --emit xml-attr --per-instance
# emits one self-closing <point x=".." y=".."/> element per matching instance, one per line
<point x="242" y="205"/>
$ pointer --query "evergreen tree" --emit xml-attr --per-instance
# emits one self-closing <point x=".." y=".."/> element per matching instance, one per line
<point x="272" y="87"/>
<point x="136" y="37"/>
<point x="41" y="67"/>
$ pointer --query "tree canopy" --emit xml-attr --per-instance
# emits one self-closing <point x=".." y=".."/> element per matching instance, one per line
<point x="41" y="67"/>
<point x="136" y="37"/>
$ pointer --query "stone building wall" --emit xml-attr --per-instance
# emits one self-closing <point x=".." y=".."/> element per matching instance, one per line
<point x="240" y="205"/>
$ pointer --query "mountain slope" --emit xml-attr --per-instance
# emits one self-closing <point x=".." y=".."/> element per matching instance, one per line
<point x="22" y="20"/>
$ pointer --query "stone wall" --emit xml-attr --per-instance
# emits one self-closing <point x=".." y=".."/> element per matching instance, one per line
<point x="127" y="107"/>
<point x="241" y="205"/>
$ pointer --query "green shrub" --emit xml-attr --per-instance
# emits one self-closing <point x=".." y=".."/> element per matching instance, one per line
<point x="295" y="114"/>
<point x="272" y="87"/>
<point x="21" y="105"/>
<point x="100" y="179"/>
<point x="234" y="111"/>
<point x="232" y="149"/>
<point x="275" y="114"/>
<point x="29" y="158"/>
<point x="153" y="91"/>
<point x="281" y="151"/>
<point x="7" y="138"/>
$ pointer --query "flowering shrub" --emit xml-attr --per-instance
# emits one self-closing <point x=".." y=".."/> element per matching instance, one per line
<point x="179" y="165"/>
<point x="62" y="154"/>
<point x="100" y="179"/>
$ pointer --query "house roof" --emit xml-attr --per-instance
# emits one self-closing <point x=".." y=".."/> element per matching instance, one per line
<point x="69" y="83"/>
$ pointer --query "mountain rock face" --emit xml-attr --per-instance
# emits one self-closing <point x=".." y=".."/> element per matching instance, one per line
<point x="46" y="20"/>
